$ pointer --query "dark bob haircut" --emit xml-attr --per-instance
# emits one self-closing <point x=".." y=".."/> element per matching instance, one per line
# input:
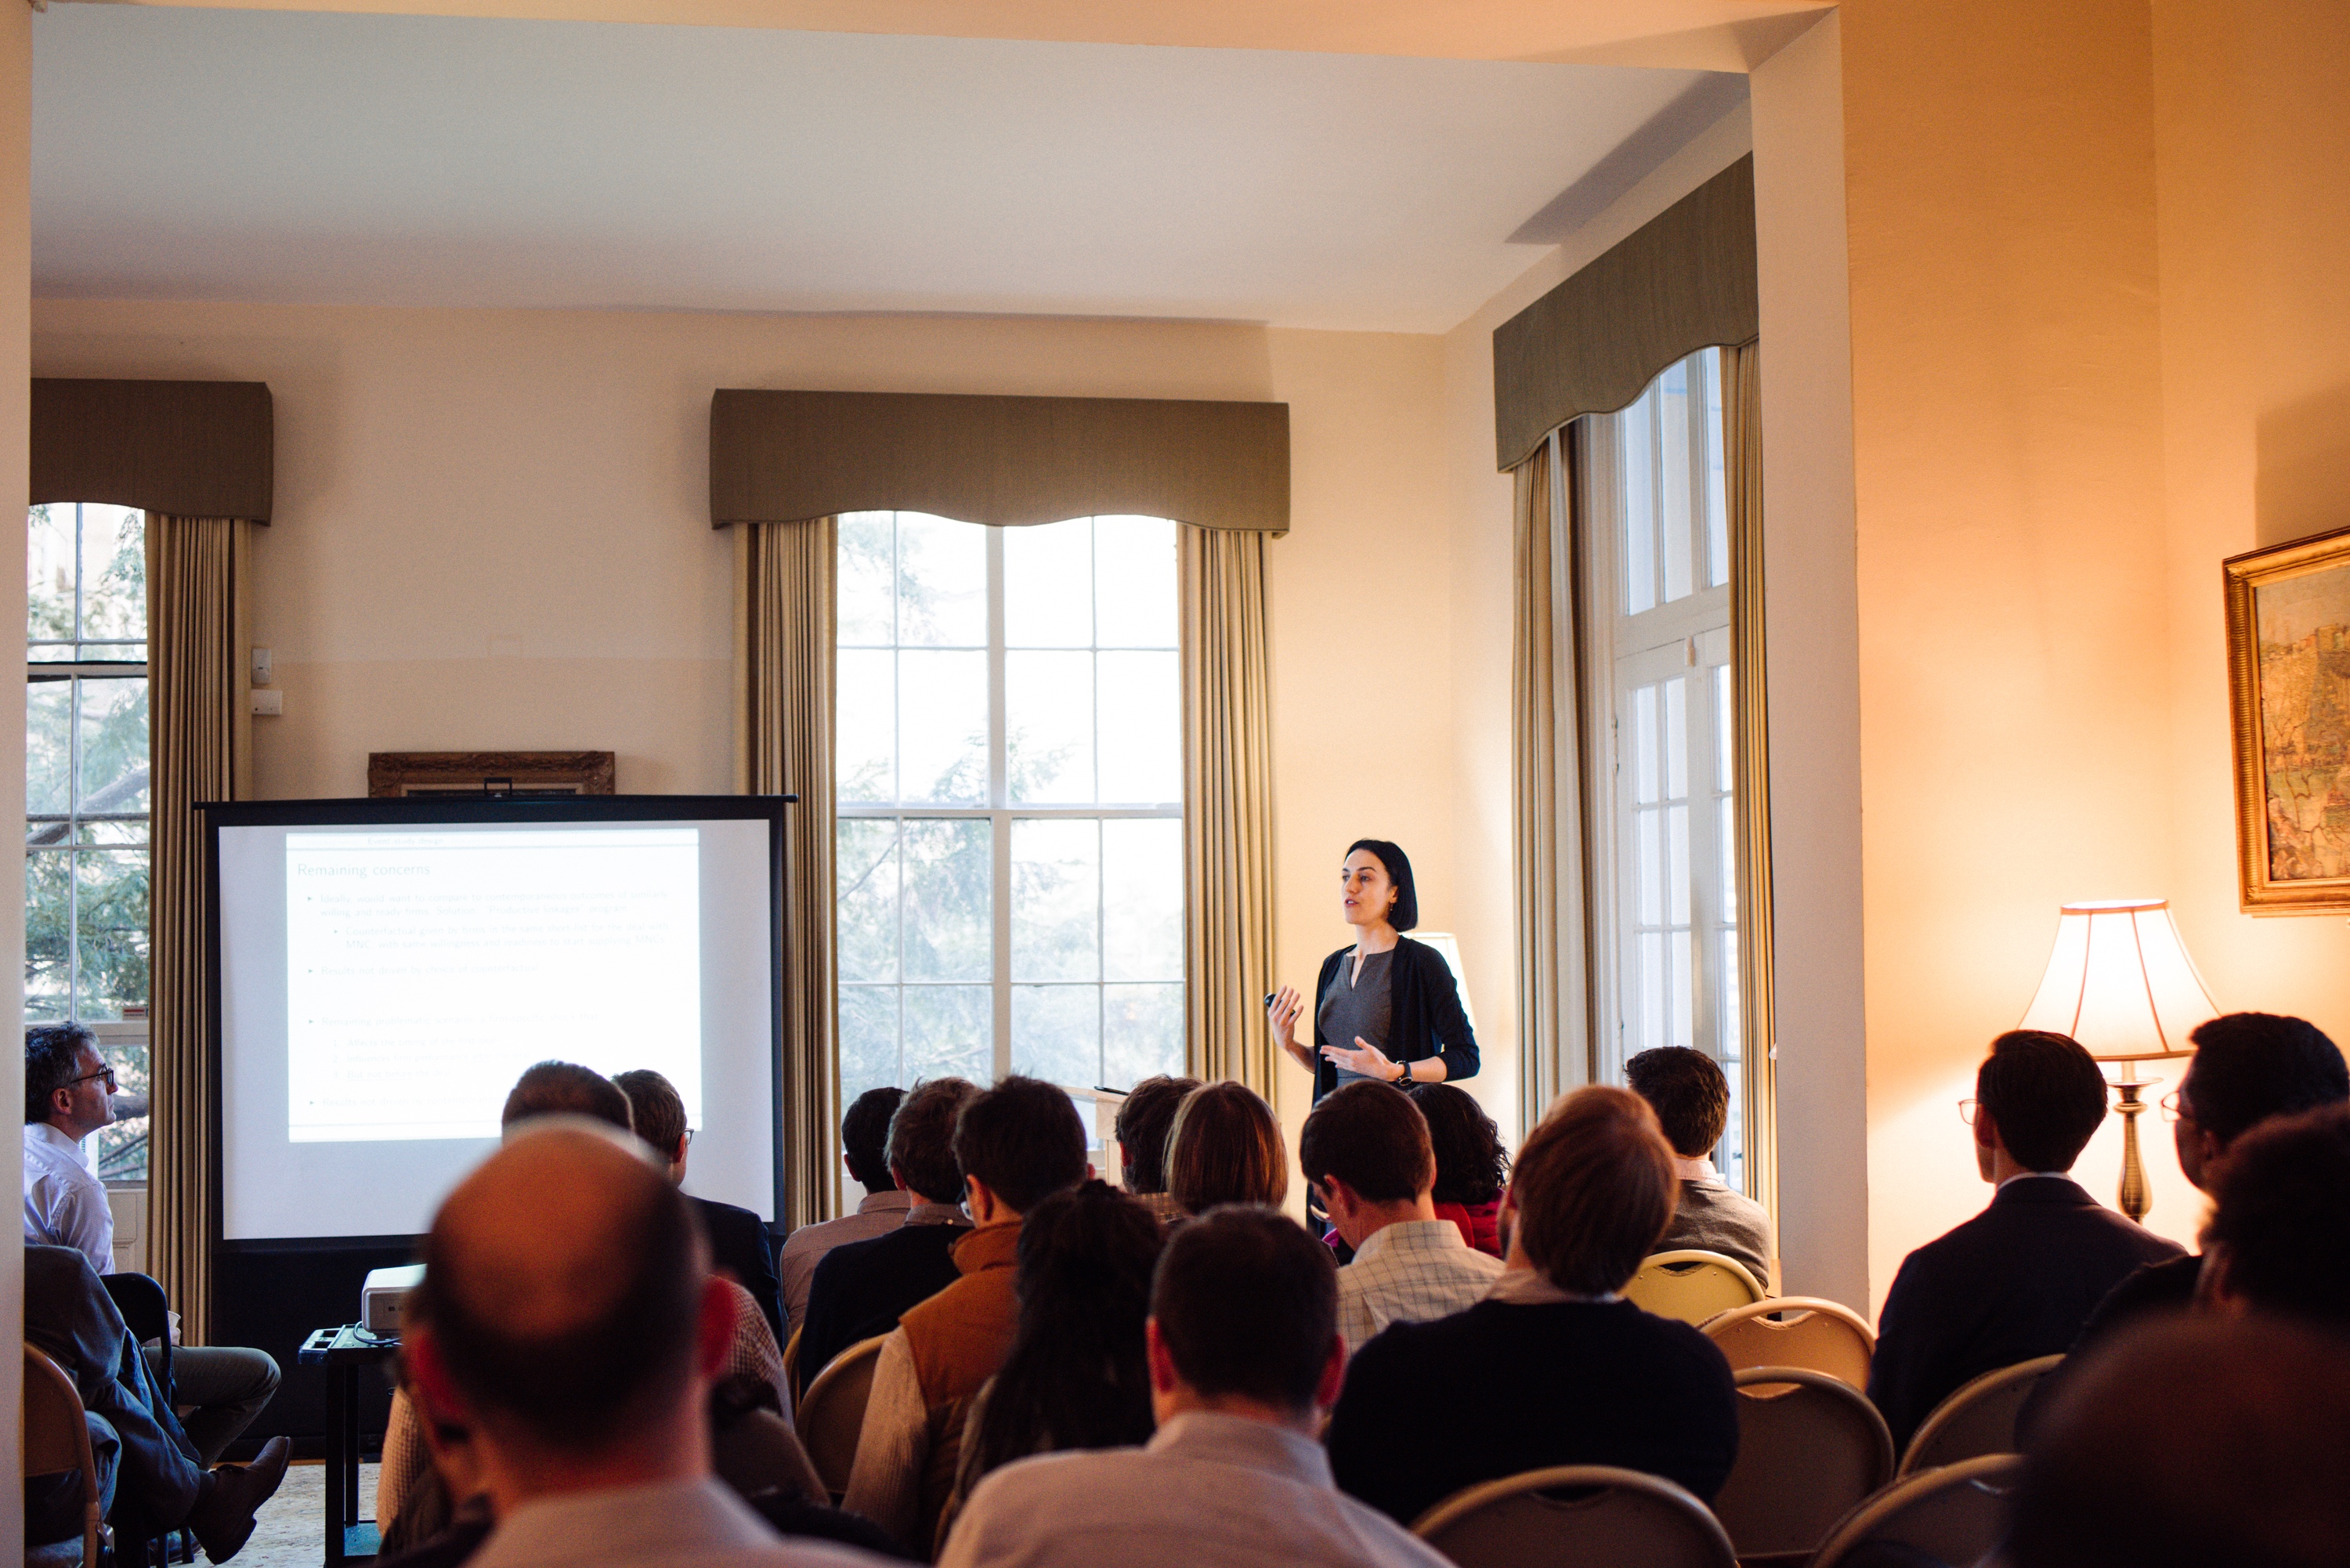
<point x="1398" y="869"/>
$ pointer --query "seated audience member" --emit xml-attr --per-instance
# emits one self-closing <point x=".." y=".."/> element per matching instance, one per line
<point x="1016" y="1144"/>
<point x="1554" y="1367"/>
<point x="1366" y="1151"/>
<point x="1144" y="1121"/>
<point x="1472" y="1166"/>
<point x="740" y="1245"/>
<point x="2278" y="1238"/>
<point x="1691" y="1099"/>
<point x="570" y="1324"/>
<point x="864" y="1149"/>
<point x="1225" y="1146"/>
<point x="862" y="1288"/>
<point x="2192" y="1443"/>
<point x="160" y="1480"/>
<point x="2019" y="1279"/>
<point x="1075" y="1376"/>
<point x="68" y="1096"/>
<point x="1244" y="1357"/>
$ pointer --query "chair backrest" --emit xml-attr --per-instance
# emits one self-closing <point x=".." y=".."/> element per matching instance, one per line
<point x="1810" y="1448"/>
<point x="1956" y="1514"/>
<point x="1692" y="1286"/>
<point x="146" y="1312"/>
<point x="1589" y="1516"/>
<point x="1979" y="1419"/>
<point x="52" y="1437"/>
<point x="832" y="1412"/>
<point x="1795" y="1331"/>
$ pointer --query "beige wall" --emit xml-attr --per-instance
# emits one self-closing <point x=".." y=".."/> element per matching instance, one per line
<point x="492" y="532"/>
<point x="16" y="291"/>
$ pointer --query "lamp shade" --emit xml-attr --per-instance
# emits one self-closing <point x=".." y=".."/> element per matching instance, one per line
<point x="2120" y="983"/>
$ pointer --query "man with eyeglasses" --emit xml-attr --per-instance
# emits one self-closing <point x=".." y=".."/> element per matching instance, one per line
<point x="68" y="1094"/>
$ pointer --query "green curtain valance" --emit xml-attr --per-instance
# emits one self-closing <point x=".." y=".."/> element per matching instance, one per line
<point x="1682" y="282"/>
<point x="191" y="449"/>
<point x="787" y="456"/>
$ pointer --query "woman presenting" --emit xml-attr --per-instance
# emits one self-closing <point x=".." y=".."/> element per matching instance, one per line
<point x="1386" y="1007"/>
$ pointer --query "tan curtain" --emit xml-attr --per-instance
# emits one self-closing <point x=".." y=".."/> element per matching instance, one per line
<point x="782" y="726"/>
<point x="198" y="746"/>
<point x="1227" y="807"/>
<point x="1546" y="786"/>
<point x="1742" y="492"/>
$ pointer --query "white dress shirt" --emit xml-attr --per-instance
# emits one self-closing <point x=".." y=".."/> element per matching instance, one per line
<point x="1411" y="1272"/>
<point x="669" y="1524"/>
<point x="1210" y="1491"/>
<point x="64" y="1202"/>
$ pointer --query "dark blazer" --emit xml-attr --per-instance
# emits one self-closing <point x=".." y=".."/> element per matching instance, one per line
<point x="862" y="1288"/>
<point x="1424" y="1011"/>
<point x="2158" y="1290"/>
<point x="1430" y="1407"/>
<point x="740" y="1245"/>
<point x="2014" y="1283"/>
<point x="70" y="1317"/>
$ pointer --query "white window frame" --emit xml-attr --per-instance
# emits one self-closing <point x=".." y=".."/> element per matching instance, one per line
<point x="1623" y="652"/>
<point x="1000" y="813"/>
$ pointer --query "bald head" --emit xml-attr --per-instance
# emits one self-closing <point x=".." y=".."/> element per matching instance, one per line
<point x="562" y="1283"/>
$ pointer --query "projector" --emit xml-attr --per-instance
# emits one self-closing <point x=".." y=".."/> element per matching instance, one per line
<point x="380" y="1297"/>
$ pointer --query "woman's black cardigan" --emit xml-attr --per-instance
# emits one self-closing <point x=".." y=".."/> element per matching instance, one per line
<point x="1425" y="1017"/>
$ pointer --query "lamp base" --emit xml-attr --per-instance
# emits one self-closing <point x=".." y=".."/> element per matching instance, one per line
<point x="2134" y="1199"/>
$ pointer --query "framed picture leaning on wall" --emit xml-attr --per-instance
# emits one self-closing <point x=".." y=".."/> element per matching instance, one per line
<point x="2289" y="698"/>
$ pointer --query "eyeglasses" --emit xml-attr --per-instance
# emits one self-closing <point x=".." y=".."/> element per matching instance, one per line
<point x="1967" y="1109"/>
<point x="105" y="1072"/>
<point x="2174" y="1109"/>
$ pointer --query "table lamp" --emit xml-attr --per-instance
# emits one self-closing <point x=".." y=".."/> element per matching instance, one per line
<point x="2120" y="983"/>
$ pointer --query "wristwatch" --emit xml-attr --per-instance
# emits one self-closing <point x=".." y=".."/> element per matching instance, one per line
<point x="1405" y="1082"/>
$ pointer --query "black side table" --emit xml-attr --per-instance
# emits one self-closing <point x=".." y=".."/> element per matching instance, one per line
<point x="343" y="1350"/>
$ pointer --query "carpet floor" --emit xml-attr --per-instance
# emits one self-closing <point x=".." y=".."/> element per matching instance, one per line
<point x="291" y="1530"/>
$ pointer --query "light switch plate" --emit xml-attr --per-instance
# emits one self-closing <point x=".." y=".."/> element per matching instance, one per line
<point x="261" y="666"/>
<point x="271" y="702"/>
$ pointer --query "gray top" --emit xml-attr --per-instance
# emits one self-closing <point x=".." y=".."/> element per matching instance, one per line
<point x="663" y="1524"/>
<point x="1358" y="1006"/>
<point x="1209" y="1491"/>
<point x="1714" y="1217"/>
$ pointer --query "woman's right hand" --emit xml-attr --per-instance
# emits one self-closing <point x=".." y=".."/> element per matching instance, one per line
<point x="1283" y="1014"/>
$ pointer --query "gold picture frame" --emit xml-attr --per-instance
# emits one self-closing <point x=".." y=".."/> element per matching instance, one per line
<point x="2289" y="705"/>
<point x="394" y="774"/>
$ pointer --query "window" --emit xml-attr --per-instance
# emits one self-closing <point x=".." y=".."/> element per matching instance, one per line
<point x="85" y="795"/>
<point x="1659" y="700"/>
<point x="1009" y="743"/>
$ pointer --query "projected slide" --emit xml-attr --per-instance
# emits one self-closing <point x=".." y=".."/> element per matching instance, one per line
<point x="425" y="971"/>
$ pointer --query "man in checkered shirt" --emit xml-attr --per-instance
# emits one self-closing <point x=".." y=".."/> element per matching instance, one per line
<point x="1367" y="1152"/>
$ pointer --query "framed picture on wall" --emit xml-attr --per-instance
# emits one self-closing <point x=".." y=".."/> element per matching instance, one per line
<point x="2289" y="695"/>
<point x="394" y="774"/>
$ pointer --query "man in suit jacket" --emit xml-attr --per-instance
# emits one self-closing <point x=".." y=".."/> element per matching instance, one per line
<point x="2019" y="1280"/>
<point x="740" y="1245"/>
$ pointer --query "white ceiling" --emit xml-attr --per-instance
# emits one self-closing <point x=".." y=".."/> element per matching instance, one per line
<point x="279" y="156"/>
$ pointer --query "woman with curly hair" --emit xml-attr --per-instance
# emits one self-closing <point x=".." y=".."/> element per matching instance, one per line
<point x="1472" y="1166"/>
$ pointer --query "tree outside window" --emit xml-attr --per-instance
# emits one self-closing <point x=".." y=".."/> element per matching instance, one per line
<point x="86" y="794"/>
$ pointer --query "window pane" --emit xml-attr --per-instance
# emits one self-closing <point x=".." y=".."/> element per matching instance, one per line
<point x="1728" y="848"/>
<point x="865" y="745"/>
<point x="1057" y="1033"/>
<point x="1649" y="830"/>
<point x="1717" y="513"/>
<point x="1055" y="900"/>
<point x="110" y="898"/>
<point x="950" y="1031"/>
<point x="865" y="873"/>
<point x="1673" y="510"/>
<point x="1135" y="563"/>
<point x="1141" y="728"/>
<point x="50" y="575"/>
<point x="114" y="574"/>
<point x="1677" y="739"/>
<point x="1677" y="948"/>
<point x="1677" y="865"/>
<point x="869" y="1039"/>
<point x="1725" y="743"/>
<point x="950" y="922"/>
<point x="1644" y="744"/>
<point x="942" y="727"/>
<point x="1049" y="727"/>
<point x="1142" y="1032"/>
<point x="48" y="934"/>
<point x="113" y="746"/>
<point x="48" y="748"/>
<point x="1636" y="455"/>
<point x="1648" y="1025"/>
<point x="942" y="583"/>
<point x="1048" y="574"/>
<point x="1142" y="900"/>
<point x="123" y="1145"/>
<point x="866" y="576"/>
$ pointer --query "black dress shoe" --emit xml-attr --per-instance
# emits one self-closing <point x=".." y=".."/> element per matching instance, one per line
<point x="232" y="1495"/>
